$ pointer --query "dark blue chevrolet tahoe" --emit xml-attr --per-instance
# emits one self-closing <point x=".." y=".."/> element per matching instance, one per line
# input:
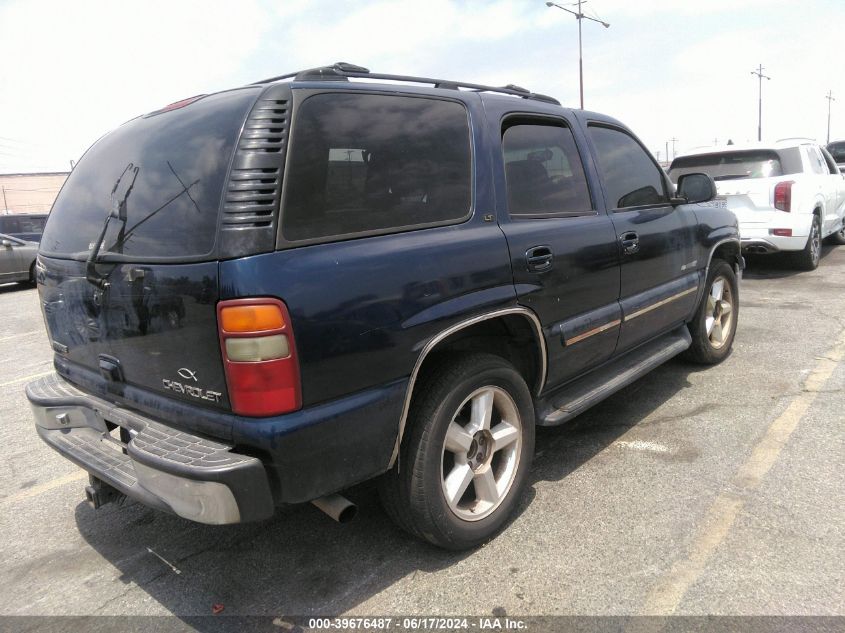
<point x="266" y="295"/>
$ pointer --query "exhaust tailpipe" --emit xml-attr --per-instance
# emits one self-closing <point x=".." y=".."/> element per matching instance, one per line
<point x="339" y="508"/>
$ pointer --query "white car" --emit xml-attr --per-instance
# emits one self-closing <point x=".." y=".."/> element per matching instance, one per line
<point x="787" y="196"/>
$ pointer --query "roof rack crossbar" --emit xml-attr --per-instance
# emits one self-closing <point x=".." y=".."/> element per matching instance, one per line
<point x="343" y="70"/>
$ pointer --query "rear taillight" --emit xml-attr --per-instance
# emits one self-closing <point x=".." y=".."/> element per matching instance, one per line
<point x="783" y="195"/>
<point x="259" y="355"/>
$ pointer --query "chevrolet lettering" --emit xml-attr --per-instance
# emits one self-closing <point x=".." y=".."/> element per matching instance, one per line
<point x="194" y="392"/>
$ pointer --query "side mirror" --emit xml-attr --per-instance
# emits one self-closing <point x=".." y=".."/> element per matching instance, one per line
<point x="6" y="243"/>
<point x="696" y="187"/>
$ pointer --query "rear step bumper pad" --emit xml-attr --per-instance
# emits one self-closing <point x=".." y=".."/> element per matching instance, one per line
<point x="188" y="475"/>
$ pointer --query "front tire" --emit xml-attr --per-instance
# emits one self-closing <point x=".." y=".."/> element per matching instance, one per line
<point x="466" y="455"/>
<point x="714" y="326"/>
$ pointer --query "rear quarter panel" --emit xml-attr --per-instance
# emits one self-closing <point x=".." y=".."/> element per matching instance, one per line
<point x="363" y="309"/>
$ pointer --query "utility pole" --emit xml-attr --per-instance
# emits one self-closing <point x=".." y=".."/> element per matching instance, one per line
<point x="829" y="98"/>
<point x="668" y="157"/>
<point x="579" y="16"/>
<point x="760" y="78"/>
<point x="5" y="206"/>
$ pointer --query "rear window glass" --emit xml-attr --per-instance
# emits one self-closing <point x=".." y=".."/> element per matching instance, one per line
<point x="733" y="165"/>
<point x="375" y="163"/>
<point x="31" y="225"/>
<point x="9" y="225"/>
<point x="161" y="175"/>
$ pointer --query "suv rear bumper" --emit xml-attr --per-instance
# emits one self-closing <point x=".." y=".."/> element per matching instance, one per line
<point x="759" y="237"/>
<point x="191" y="476"/>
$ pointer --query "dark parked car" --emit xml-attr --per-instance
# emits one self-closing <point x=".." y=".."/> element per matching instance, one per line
<point x="17" y="259"/>
<point x="837" y="151"/>
<point x="24" y="226"/>
<point x="363" y="279"/>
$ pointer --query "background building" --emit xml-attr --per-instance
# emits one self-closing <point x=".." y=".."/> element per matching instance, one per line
<point x="30" y="193"/>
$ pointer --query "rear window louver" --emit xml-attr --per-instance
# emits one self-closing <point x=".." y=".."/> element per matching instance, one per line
<point x="251" y="203"/>
<point x="251" y="198"/>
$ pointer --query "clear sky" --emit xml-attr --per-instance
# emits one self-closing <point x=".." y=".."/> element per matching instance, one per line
<point x="73" y="69"/>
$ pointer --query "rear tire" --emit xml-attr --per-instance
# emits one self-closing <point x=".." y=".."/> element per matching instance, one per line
<point x="808" y="258"/>
<point x="466" y="454"/>
<point x="714" y="326"/>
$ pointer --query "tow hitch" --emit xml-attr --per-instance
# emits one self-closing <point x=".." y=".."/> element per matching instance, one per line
<point x="99" y="493"/>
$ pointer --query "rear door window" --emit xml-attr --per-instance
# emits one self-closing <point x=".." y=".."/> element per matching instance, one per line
<point x="544" y="173"/>
<point x="367" y="164"/>
<point x="161" y="175"/>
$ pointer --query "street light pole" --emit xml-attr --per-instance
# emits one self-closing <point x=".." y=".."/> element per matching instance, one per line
<point x="579" y="15"/>
<point x="829" y="97"/>
<point x="580" y="57"/>
<point x="760" y="77"/>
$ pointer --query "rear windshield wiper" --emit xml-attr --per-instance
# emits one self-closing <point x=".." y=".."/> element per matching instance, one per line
<point x="125" y="233"/>
<point x="117" y="210"/>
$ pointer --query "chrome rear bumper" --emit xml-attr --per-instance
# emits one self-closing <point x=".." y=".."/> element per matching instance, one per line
<point x="191" y="476"/>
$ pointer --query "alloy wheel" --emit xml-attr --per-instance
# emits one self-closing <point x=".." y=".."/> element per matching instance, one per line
<point x="481" y="453"/>
<point x="815" y="243"/>
<point x="719" y="316"/>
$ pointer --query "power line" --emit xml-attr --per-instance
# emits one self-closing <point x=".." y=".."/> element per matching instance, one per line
<point x="41" y="189"/>
<point x="19" y="141"/>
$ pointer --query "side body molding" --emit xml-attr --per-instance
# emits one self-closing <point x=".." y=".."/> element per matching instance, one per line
<point x="434" y="341"/>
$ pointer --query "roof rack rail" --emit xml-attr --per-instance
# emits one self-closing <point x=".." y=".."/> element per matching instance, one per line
<point x="796" y="138"/>
<point x="342" y="71"/>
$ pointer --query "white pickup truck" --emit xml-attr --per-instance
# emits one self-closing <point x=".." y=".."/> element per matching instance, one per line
<point x="787" y="196"/>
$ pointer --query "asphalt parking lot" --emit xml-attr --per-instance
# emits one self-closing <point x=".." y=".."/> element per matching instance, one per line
<point x="693" y="491"/>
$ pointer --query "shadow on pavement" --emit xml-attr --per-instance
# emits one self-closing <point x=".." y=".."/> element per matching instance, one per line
<point x="776" y="266"/>
<point x="302" y="563"/>
<point x="14" y="286"/>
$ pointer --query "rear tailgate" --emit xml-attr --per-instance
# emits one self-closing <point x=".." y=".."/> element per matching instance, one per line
<point x="751" y="199"/>
<point x="148" y="197"/>
<point x="154" y="326"/>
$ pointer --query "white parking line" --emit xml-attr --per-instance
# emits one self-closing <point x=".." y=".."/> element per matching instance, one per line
<point x="45" y="487"/>
<point x="667" y="595"/>
<point x="25" y="378"/>
<point x="14" y="336"/>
